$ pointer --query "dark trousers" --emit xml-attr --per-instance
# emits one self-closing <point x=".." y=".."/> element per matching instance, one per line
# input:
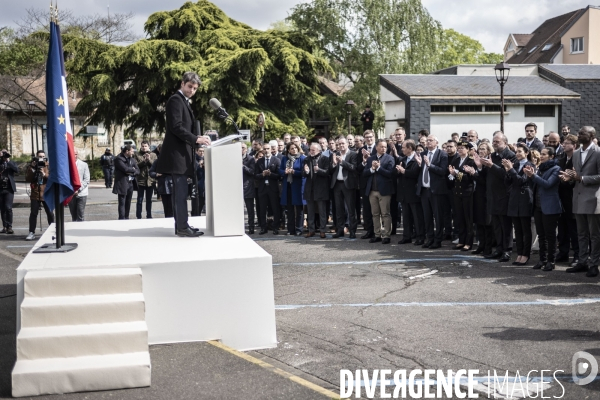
<point x="6" y="211"/>
<point x="179" y="197"/>
<point x="148" y="191"/>
<point x="314" y="207"/>
<point x="588" y="233"/>
<point x="503" y="232"/>
<point x="432" y="215"/>
<point x="35" y="207"/>
<point x="394" y="212"/>
<point x="198" y="205"/>
<point x="269" y="199"/>
<point x="367" y="214"/>
<point x="567" y="234"/>
<point x="485" y="233"/>
<point x="344" y="196"/>
<point x="412" y="214"/>
<point x="249" y="201"/>
<point x="167" y="203"/>
<point x="449" y="215"/>
<point x="77" y="208"/>
<point x="108" y="175"/>
<point x="125" y="202"/>
<point x="330" y="208"/>
<point x="357" y="205"/>
<point x="463" y="220"/>
<point x="545" y="225"/>
<point x="523" y="236"/>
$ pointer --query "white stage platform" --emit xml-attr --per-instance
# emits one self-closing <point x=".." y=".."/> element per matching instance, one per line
<point x="195" y="289"/>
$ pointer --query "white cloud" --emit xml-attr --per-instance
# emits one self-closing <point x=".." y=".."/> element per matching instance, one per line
<point x="488" y="21"/>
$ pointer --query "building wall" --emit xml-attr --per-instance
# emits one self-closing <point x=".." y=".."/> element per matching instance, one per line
<point x="486" y="124"/>
<point x="594" y="55"/>
<point x="585" y="111"/>
<point x="581" y="28"/>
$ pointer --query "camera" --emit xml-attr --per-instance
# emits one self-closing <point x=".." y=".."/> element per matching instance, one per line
<point x="39" y="162"/>
<point x="5" y="155"/>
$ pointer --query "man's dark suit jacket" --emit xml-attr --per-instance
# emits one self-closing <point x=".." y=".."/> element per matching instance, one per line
<point x="465" y="186"/>
<point x="537" y="144"/>
<point x="349" y="171"/>
<point x="384" y="175"/>
<point x="248" y="175"/>
<point x="317" y="183"/>
<point x="565" y="189"/>
<point x="408" y="181"/>
<point x="362" y="180"/>
<point x="273" y="179"/>
<point x="124" y="168"/>
<point x="438" y="172"/>
<point x="497" y="192"/>
<point x="177" y="154"/>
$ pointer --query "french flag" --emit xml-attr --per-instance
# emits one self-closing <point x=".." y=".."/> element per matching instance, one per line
<point x="64" y="177"/>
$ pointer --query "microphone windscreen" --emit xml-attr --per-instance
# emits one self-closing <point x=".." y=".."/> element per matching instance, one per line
<point x="214" y="104"/>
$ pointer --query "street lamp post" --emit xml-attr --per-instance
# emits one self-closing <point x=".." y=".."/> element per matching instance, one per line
<point x="30" y="107"/>
<point x="502" y="71"/>
<point x="349" y="105"/>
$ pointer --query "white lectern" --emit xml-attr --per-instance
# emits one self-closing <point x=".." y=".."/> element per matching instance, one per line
<point x="224" y="201"/>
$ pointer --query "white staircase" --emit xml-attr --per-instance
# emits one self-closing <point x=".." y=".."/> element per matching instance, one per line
<point x="81" y="330"/>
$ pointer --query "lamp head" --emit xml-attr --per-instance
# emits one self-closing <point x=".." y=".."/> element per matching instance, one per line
<point x="502" y="71"/>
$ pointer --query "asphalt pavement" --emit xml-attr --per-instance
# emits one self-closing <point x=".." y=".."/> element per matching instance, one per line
<point x="345" y="304"/>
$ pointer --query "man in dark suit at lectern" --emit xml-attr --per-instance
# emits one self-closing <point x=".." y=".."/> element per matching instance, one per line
<point x="177" y="153"/>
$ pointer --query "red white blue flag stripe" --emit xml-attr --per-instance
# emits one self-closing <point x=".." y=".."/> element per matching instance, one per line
<point x="64" y="177"/>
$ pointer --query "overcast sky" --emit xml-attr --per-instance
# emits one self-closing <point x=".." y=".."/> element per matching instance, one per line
<point x="489" y="21"/>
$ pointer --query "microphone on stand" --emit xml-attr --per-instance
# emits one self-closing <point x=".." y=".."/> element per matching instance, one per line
<point x="216" y="105"/>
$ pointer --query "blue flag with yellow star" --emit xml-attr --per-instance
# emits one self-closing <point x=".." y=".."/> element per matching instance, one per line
<point x="64" y="177"/>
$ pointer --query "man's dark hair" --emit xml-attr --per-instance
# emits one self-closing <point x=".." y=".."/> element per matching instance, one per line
<point x="259" y="141"/>
<point x="144" y="142"/>
<point x="424" y="132"/>
<point x="410" y="144"/>
<point x="452" y="142"/>
<point x="572" y="138"/>
<point x="302" y="137"/>
<point x="550" y="150"/>
<point x="191" y="77"/>
<point x="125" y="148"/>
<point x="40" y="152"/>
<point x="380" y="141"/>
<point x="531" y="124"/>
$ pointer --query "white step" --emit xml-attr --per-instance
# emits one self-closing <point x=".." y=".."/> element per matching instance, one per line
<point x="82" y="340"/>
<point x="78" y="282"/>
<point x="79" y="310"/>
<point x="78" y="374"/>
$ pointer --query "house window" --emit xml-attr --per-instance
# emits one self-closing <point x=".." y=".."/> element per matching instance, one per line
<point x="442" y="109"/>
<point x="577" y="45"/>
<point x="539" y="110"/>
<point x="469" y="108"/>
<point x="511" y="46"/>
<point x="547" y="47"/>
<point x="493" y="108"/>
<point x="532" y="50"/>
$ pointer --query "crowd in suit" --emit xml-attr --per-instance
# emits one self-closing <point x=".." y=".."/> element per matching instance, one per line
<point x="485" y="196"/>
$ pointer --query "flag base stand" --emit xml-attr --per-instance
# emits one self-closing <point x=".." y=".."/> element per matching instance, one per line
<point x="51" y="248"/>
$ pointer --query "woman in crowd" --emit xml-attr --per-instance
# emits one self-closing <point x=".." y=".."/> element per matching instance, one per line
<point x="547" y="206"/>
<point x="463" y="195"/>
<point x="292" y="187"/>
<point x="481" y="217"/>
<point x="520" y="201"/>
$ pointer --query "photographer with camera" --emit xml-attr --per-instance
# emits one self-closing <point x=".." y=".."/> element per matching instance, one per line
<point x="126" y="170"/>
<point x="37" y="176"/>
<point x="7" y="191"/>
<point x="144" y="158"/>
<point x="107" y="162"/>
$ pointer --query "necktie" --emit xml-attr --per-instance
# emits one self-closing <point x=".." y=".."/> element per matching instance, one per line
<point x="426" y="172"/>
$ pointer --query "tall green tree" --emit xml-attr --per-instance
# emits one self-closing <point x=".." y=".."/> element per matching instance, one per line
<point x="250" y="71"/>
<point x="456" y="48"/>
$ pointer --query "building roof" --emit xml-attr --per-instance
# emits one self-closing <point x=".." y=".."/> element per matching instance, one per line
<point x="332" y="87"/>
<point x="522" y="39"/>
<point x="440" y="86"/>
<point x="548" y="33"/>
<point x="574" y="71"/>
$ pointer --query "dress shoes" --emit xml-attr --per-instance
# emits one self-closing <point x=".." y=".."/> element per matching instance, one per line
<point x="479" y="250"/>
<point x="579" y="267"/>
<point x="188" y="232"/>
<point x="539" y="265"/>
<point x="427" y="244"/>
<point x="323" y="236"/>
<point x="435" y="246"/>
<point x="352" y="235"/>
<point x="419" y="243"/>
<point x="505" y="257"/>
<point x="592" y="272"/>
<point x="338" y="235"/>
<point x="375" y="239"/>
<point x="465" y="248"/>
<point x="562" y="258"/>
<point x="192" y="228"/>
<point x="368" y="235"/>
<point x="262" y="232"/>
<point x="251" y="231"/>
<point x="575" y="261"/>
<point x="275" y="232"/>
<point x="404" y="241"/>
<point x="385" y="241"/>
<point x="309" y="234"/>
<point x="549" y="266"/>
<point x="494" y="255"/>
<point x="458" y="247"/>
